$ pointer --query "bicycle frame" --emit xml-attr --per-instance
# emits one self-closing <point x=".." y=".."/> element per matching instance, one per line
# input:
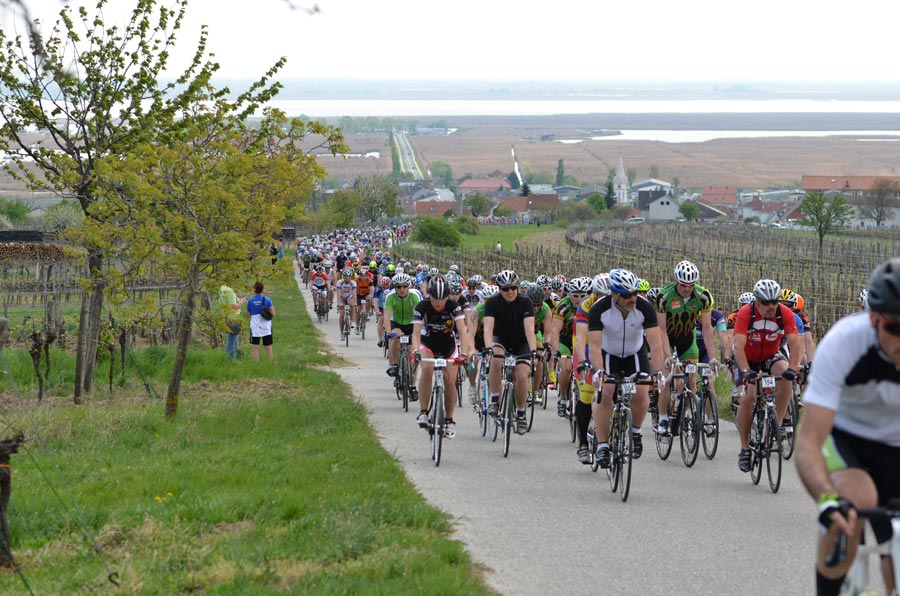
<point x="437" y="409"/>
<point x="766" y="430"/>
<point x="856" y="582"/>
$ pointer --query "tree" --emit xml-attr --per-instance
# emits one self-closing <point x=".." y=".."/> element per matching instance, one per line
<point x="513" y="180"/>
<point x="610" y="196"/>
<point x="96" y="90"/>
<point x="443" y="172"/>
<point x="825" y="215"/>
<point x="597" y="202"/>
<point x="63" y="215"/>
<point x="477" y="204"/>
<point x="436" y="232"/>
<point x="560" y="173"/>
<point x="689" y="210"/>
<point x="622" y="211"/>
<point x="654" y="171"/>
<point x="377" y="198"/>
<point x="198" y="206"/>
<point x="676" y="182"/>
<point x="632" y="174"/>
<point x="467" y="224"/>
<point x="878" y="203"/>
<point x="525" y="190"/>
<point x="337" y="211"/>
<point x="503" y="211"/>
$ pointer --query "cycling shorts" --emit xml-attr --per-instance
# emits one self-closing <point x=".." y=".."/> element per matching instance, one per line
<point x="843" y="450"/>
<point x="440" y="349"/>
<point x="685" y="347"/>
<point x="406" y="329"/>
<point x="518" y="349"/>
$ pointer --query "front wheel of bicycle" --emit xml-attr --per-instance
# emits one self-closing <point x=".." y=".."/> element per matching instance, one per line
<point x="403" y="384"/>
<point x="437" y="426"/>
<point x="787" y="438"/>
<point x="530" y="405"/>
<point x="663" y="440"/>
<point x="612" y="472"/>
<point x="757" y="438"/>
<point x="509" y="417"/>
<point x="710" y="430"/>
<point x="625" y="451"/>
<point x="689" y="435"/>
<point x="571" y="400"/>
<point x="773" y="454"/>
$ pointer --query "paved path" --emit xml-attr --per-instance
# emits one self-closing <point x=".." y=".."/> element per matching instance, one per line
<point x="542" y="523"/>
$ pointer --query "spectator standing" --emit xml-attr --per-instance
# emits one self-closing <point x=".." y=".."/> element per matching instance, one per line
<point x="499" y="247"/>
<point x="260" y="327"/>
<point x="229" y="300"/>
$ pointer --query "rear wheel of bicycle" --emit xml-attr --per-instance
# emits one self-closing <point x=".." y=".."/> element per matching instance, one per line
<point x="626" y="449"/>
<point x="545" y="386"/>
<point x="437" y="427"/>
<point x="362" y="327"/>
<point x="787" y="438"/>
<point x="530" y="405"/>
<point x="592" y="446"/>
<point x="689" y="435"/>
<point x="773" y="454"/>
<point x="710" y="430"/>
<point x="460" y="373"/>
<point x="615" y="464"/>
<point x="663" y="441"/>
<point x="509" y="417"/>
<point x="756" y="450"/>
<point x="403" y="385"/>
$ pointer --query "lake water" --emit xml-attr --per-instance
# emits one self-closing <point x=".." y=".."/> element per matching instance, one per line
<point x="700" y="136"/>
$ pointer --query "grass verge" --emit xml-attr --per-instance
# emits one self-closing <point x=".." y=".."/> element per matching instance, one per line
<point x="268" y="481"/>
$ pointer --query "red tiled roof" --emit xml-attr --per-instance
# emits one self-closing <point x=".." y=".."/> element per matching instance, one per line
<point x="843" y="183"/>
<point x="435" y="208"/>
<point x="486" y="184"/>
<point x="719" y="195"/>
<point x="519" y="204"/>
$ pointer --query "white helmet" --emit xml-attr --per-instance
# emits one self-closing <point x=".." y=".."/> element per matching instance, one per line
<point x="745" y="298"/>
<point x="767" y="289"/>
<point x="401" y="279"/>
<point x="489" y="291"/>
<point x="600" y="284"/>
<point x="579" y="285"/>
<point x="863" y="298"/>
<point x="623" y="281"/>
<point x="507" y="278"/>
<point x="686" y="273"/>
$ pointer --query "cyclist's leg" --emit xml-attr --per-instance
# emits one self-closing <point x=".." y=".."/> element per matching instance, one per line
<point x="745" y="410"/>
<point x="523" y="371"/>
<point x="602" y="406"/>
<point x="783" y="389"/>
<point x="496" y="369"/>
<point x="426" y="377"/>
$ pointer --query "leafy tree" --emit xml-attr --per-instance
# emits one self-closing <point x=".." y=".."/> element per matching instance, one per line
<point x="442" y="171"/>
<point x="378" y="198"/>
<point x="878" y="203"/>
<point x="197" y="206"/>
<point x="610" y="195"/>
<point x="825" y="215"/>
<point x="525" y="190"/>
<point x="537" y="177"/>
<point x="689" y="210"/>
<point x="632" y="174"/>
<point x="513" y="180"/>
<point x="676" y="182"/>
<point x="503" y="211"/>
<point x="467" y="224"/>
<point x="436" y="232"/>
<point x="63" y="215"/>
<point x="96" y="89"/>
<point x="570" y="180"/>
<point x="15" y="210"/>
<point x="477" y="204"/>
<point x="597" y="202"/>
<point x="560" y="173"/>
<point x="337" y="211"/>
<point x="622" y="211"/>
<point x="654" y="171"/>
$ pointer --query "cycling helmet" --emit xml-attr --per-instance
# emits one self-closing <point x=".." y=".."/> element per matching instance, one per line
<point x="600" y="284"/>
<point x="861" y="299"/>
<point x="745" y="298"/>
<point x="489" y="291"/>
<point x="788" y="296"/>
<point x="372" y="264"/>
<point x="507" y="278"/>
<point x="643" y="285"/>
<point x="399" y="270"/>
<point x="686" y="273"/>
<point x="385" y="282"/>
<point x="800" y="302"/>
<point x="543" y="281"/>
<point x="390" y="267"/>
<point x="652" y="295"/>
<point x="454" y="268"/>
<point x="319" y="269"/>
<point x="454" y="277"/>
<point x="557" y="285"/>
<point x="884" y="288"/>
<point x="579" y="285"/>
<point x="433" y="272"/>
<point x="401" y="279"/>
<point x="622" y="281"/>
<point x="474" y="281"/>
<point x="352" y="255"/>
<point x="438" y="288"/>
<point x="347" y="272"/>
<point x="535" y="293"/>
<point x="364" y="269"/>
<point x="767" y="289"/>
<point x="355" y="264"/>
<point x="328" y="264"/>
<point x="560" y="277"/>
<point x="456" y="287"/>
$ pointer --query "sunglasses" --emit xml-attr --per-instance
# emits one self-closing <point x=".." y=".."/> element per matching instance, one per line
<point x="401" y="287"/>
<point x="892" y="327"/>
<point x="768" y="302"/>
<point x="627" y="295"/>
<point x="685" y="285"/>
<point x="579" y="296"/>
<point x="509" y="288"/>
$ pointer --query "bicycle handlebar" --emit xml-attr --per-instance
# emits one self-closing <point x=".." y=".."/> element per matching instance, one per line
<point x="839" y="554"/>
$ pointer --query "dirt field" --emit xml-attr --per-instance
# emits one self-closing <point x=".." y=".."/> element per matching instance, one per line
<point x="482" y="146"/>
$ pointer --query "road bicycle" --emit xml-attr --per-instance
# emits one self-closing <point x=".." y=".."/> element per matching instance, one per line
<point x="856" y="582"/>
<point x="708" y="410"/>
<point x="684" y="411"/>
<point x="363" y="318"/>
<point x="792" y="418"/>
<point x="306" y="277"/>
<point x="570" y="398"/>
<point x="437" y="415"/>
<point x="321" y="307"/>
<point x="621" y="441"/>
<point x="460" y="377"/>
<point x="402" y="380"/>
<point x="765" y="434"/>
<point x="505" y="420"/>
<point x="483" y="394"/>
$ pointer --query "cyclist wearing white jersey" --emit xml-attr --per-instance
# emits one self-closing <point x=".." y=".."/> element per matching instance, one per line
<point x="848" y="444"/>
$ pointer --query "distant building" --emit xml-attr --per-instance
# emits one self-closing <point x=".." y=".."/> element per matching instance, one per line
<point x="719" y="195"/>
<point x="620" y="182"/>
<point x="848" y="186"/>
<point x="488" y="187"/>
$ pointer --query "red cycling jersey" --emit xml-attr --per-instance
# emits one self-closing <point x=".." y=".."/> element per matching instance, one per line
<point x="764" y="335"/>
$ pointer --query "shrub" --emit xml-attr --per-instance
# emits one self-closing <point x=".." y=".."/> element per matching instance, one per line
<point x="436" y="232"/>
<point x="467" y="224"/>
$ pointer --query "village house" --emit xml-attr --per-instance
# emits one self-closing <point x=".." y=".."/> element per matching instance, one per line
<point x="854" y="189"/>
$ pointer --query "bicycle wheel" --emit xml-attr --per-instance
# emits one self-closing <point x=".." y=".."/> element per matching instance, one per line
<point x="384" y="345"/>
<point x="347" y="330"/>
<point x="710" y="432"/>
<point x="529" y="405"/>
<point x="612" y="472"/>
<point x="787" y="438"/>
<point x="403" y="384"/>
<point x="625" y="450"/>
<point x="689" y="435"/>
<point x="460" y="374"/>
<point x="757" y="438"/>
<point x="592" y="446"/>
<point x="572" y="400"/>
<point x="663" y="441"/>
<point x="545" y="385"/>
<point x="773" y="453"/>
<point x="437" y="428"/>
<point x="362" y="325"/>
<point x="509" y="417"/>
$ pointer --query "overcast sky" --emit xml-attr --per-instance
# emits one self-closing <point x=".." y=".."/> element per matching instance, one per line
<point x="625" y="40"/>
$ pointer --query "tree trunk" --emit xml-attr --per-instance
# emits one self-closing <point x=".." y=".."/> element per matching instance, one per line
<point x="96" y="311"/>
<point x="83" y="332"/>
<point x="183" y="336"/>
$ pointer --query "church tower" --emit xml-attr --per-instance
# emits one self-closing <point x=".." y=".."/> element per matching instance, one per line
<point x="620" y="183"/>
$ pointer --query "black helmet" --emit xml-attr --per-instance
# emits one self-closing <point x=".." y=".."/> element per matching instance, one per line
<point x="884" y="288"/>
<point x="438" y="288"/>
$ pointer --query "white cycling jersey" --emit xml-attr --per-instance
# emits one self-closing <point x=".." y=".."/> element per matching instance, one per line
<point x="622" y="336"/>
<point x="853" y="377"/>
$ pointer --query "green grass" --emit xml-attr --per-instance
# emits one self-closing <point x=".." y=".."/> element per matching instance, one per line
<point x="268" y="481"/>
<point x="507" y="235"/>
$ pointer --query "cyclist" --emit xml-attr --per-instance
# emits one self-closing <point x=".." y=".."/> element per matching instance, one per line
<point x="398" y="311"/>
<point x="679" y="306"/>
<point x="848" y="445"/>
<point x="509" y="326"/>
<point x="599" y="289"/>
<point x="346" y="289"/>
<point x="439" y="316"/>
<point x="542" y="322"/>
<point x="379" y="296"/>
<point x="365" y="287"/>
<point x="758" y="332"/>
<point x="617" y="326"/>
<point x="320" y="285"/>
<point x="476" y="340"/>
<point x="561" y="332"/>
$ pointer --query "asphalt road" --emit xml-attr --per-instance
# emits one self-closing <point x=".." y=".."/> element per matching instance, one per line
<point x="542" y="523"/>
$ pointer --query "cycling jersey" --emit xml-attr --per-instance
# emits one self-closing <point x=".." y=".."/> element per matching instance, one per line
<point x="363" y="283"/>
<point x="345" y="288"/>
<point x="717" y="319"/>
<point x="539" y="318"/>
<point x="682" y="313"/>
<point x="509" y="317"/>
<point x="622" y="335"/>
<point x="856" y="380"/>
<point x="401" y="309"/>
<point x="764" y="335"/>
<point x="565" y="312"/>
<point x="318" y="280"/>
<point x="581" y="314"/>
<point x="438" y="325"/>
